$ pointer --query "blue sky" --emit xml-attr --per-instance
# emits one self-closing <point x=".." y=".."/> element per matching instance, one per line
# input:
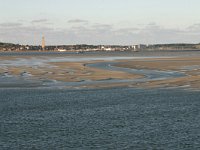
<point x="100" y="21"/>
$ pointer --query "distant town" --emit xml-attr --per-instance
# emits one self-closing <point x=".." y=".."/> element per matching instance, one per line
<point x="84" y="47"/>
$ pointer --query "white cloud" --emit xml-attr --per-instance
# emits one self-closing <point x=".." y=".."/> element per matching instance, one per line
<point x="78" y="21"/>
<point x="10" y="25"/>
<point x="97" y="34"/>
<point x="39" y="21"/>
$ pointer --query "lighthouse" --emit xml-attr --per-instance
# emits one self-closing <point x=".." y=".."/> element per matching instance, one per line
<point x="43" y="43"/>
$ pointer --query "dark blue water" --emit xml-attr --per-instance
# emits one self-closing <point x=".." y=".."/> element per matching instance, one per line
<point x="121" y="118"/>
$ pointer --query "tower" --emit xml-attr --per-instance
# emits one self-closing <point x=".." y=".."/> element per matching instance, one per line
<point x="43" y="43"/>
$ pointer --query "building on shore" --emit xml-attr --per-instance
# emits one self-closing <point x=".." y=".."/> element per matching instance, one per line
<point x="138" y="47"/>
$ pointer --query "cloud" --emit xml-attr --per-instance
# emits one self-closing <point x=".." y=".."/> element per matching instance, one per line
<point x="10" y="25"/>
<point x="98" y="34"/>
<point x="78" y="21"/>
<point x="195" y="29"/>
<point x="125" y="31"/>
<point x="153" y="33"/>
<point x="102" y="27"/>
<point x="39" y="21"/>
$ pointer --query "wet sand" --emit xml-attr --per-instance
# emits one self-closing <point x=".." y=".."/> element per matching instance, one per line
<point x="74" y="68"/>
<point x="190" y="66"/>
<point x="68" y="71"/>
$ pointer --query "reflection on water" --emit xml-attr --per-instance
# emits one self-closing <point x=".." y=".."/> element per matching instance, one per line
<point x="121" y="118"/>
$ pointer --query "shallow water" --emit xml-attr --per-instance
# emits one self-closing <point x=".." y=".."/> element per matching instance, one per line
<point x="43" y="61"/>
<point x="120" y="118"/>
<point x="149" y="74"/>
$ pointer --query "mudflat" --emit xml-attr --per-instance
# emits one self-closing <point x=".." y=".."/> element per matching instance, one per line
<point x="114" y="70"/>
<point x="189" y="66"/>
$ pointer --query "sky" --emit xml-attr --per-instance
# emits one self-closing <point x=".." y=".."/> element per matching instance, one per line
<point x="121" y="22"/>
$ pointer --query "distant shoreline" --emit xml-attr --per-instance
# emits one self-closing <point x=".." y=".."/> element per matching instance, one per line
<point x="88" y="47"/>
<point x="143" y="50"/>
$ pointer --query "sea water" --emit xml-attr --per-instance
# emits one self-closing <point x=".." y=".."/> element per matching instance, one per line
<point x="117" y="118"/>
